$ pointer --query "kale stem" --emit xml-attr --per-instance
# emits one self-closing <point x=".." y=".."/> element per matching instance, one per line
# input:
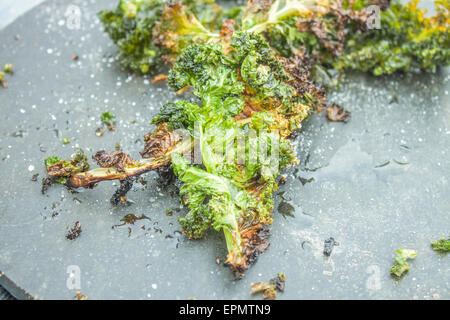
<point x="89" y="178"/>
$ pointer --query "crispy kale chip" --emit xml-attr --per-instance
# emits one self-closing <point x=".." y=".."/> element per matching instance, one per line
<point x="150" y="33"/>
<point x="130" y="27"/>
<point x="242" y="92"/>
<point x="442" y="245"/>
<point x="400" y="266"/>
<point x="212" y="76"/>
<point x="297" y="27"/>
<point x="343" y="35"/>
<point x="407" y="40"/>
<point x="239" y="121"/>
<point x="332" y="34"/>
<point x="178" y="115"/>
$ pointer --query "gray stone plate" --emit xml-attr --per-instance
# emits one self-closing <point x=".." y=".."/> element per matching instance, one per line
<point x="376" y="184"/>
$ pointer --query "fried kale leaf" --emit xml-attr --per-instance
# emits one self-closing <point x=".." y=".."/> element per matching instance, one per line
<point x="240" y="120"/>
<point x="400" y="266"/>
<point x="407" y="41"/>
<point x="241" y="86"/>
<point x="150" y="33"/>
<point x="341" y="35"/>
<point x="333" y="34"/>
<point x="178" y="115"/>
<point x="442" y="245"/>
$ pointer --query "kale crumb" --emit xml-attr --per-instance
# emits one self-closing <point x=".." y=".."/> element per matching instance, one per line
<point x="74" y="232"/>
<point x="286" y="209"/>
<point x="80" y="296"/>
<point x="337" y="113"/>
<point x="329" y="245"/>
<point x="2" y="80"/>
<point x="46" y="183"/>
<point x="400" y="266"/>
<point x="159" y="78"/>
<point x="120" y="196"/>
<point x="65" y="140"/>
<point x="109" y="120"/>
<point x="441" y="245"/>
<point x="99" y="132"/>
<point x="270" y="289"/>
<point x="8" y="68"/>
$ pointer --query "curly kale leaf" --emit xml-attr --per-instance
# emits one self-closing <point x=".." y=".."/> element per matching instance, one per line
<point x="149" y="32"/>
<point x="179" y="115"/>
<point x="198" y="190"/>
<point x="338" y="36"/>
<point x="212" y="76"/>
<point x="259" y="68"/>
<point x="240" y="135"/>
<point x="179" y="26"/>
<point x="130" y="27"/>
<point x="406" y="41"/>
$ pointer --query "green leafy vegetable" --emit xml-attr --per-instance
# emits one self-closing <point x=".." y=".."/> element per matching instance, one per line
<point x="8" y="68"/>
<point x="108" y="118"/>
<point x="252" y="87"/>
<point x="400" y="266"/>
<point x="223" y="193"/>
<point x="178" y="115"/>
<point x="339" y="36"/>
<point x="149" y="33"/>
<point x="51" y="161"/>
<point x="239" y="120"/>
<point x="329" y="33"/>
<point x="406" y="41"/>
<point x="442" y="245"/>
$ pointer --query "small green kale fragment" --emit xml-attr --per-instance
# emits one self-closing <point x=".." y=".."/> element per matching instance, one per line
<point x="3" y="83"/>
<point x="65" y="140"/>
<point x="60" y="170"/>
<point x="400" y="266"/>
<point x="108" y="118"/>
<point x="442" y="245"/>
<point x="8" y="68"/>
<point x="51" y="161"/>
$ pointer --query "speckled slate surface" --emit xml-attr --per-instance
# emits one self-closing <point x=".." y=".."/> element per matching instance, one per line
<point x="379" y="182"/>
